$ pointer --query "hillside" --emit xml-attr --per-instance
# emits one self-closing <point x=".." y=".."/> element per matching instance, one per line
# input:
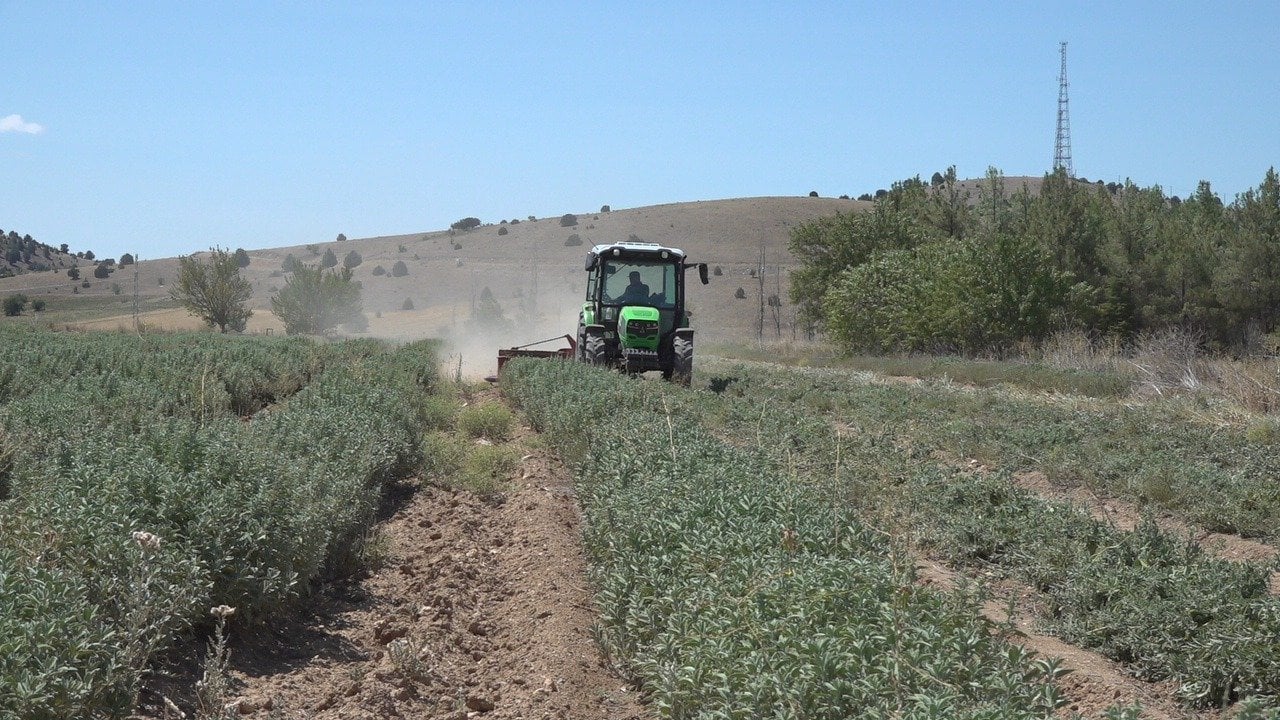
<point x="21" y="254"/>
<point x="529" y="269"/>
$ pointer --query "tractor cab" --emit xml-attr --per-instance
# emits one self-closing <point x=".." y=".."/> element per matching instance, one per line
<point x="634" y="316"/>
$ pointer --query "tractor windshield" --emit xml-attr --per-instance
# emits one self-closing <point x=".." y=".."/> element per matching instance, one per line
<point x="640" y="283"/>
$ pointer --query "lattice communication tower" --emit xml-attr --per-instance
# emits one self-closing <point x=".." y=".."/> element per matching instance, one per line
<point x="1062" y="145"/>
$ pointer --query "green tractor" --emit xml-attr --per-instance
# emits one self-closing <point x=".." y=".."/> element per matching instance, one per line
<point x="634" y="317"/>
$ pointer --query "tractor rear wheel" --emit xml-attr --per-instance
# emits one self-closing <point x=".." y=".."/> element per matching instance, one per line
<point x="682" y="361"/>
<point x="593" y="349"/>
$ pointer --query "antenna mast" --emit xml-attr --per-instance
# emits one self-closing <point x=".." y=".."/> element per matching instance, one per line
<point x="1062" y="145"/>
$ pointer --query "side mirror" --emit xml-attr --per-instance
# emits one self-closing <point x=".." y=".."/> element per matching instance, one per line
<point x="702" y="273"/>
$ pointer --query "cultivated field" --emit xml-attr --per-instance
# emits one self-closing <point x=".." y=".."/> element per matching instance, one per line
<point x="827" y="543"/>
<point x="777" y="541"/>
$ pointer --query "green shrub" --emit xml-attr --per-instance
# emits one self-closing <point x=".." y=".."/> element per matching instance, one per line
<point x="437" y="412"/>
<point x="15" y="304"/>
<point x="487" y="468"/>
<point x="442" y="455"/>
<point x="488" y="420"/>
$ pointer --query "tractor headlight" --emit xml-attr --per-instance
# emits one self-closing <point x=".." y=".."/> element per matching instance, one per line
<point x="611" y="313"/>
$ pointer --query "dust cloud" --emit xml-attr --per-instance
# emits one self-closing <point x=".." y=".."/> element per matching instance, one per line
<point x="470" y="347"/>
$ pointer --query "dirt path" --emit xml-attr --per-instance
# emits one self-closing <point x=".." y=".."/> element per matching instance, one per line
<point x="480" y="610"/>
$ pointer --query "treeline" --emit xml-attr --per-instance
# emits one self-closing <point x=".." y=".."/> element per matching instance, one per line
<point x="932" y="269"/>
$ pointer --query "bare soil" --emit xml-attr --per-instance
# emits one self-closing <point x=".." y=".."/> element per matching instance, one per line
<point x="480" y="609"/>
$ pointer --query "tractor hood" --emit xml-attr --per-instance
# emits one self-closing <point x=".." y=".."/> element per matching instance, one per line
<point x="638" y="327"/>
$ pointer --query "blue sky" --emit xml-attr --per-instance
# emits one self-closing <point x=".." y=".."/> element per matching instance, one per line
<point x="163" y="128"/>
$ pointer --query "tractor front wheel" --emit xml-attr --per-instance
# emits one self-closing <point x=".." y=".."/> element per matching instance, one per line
<point x="593" y="348"/>
<point x="682" y="361"/>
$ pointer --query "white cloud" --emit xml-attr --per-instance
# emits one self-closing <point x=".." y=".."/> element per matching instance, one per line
<point x="15" y="123"/>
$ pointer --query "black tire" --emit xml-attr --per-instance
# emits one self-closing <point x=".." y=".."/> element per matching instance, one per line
<point x="682" y="361"/>
<point x="593" y="349"/>
<point x="579" y="352"/>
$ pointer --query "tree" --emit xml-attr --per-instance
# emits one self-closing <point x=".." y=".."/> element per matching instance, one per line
<point x="14" y="304"/>
<point x="314" y="301"/>
<point x="466" y="224"/>
<point x="407" y="304"/>
<point x="379" y="270"/>
<point x="88" y="254"/>
<point x="290" y="263"/>
<point x="949" y="205"/>
<point x="352" y="260"/>
<point x="73" y="273"/>
<point x="102" y="271"/>
<point x="399" y="269"/>
<point x="126" y="259"/>
<point x="568" y="220"/>
<point x="1250" y="281"/>
<point x="64" y="249"/>
<point x="488" y="314"/>
<point x="329" y="260"/>
<point x="213" y="290"/>
<point x="38" y="305"/>
<point x="242" y="258"/>
<point x="342" y="237"/>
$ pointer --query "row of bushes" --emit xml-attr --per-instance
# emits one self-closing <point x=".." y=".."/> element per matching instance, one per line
<point x="118" y="533"/>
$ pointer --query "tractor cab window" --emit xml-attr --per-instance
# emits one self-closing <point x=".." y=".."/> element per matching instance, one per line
<point x="639" y="283"/>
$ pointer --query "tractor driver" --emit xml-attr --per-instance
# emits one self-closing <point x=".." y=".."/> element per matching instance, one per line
<point x="636" y="292"/>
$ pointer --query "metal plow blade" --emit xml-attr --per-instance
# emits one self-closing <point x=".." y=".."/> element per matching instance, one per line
<point x="506" y="354"/>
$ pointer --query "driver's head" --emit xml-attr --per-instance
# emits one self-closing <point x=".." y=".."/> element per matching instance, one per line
<point x="635" y="277"/>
